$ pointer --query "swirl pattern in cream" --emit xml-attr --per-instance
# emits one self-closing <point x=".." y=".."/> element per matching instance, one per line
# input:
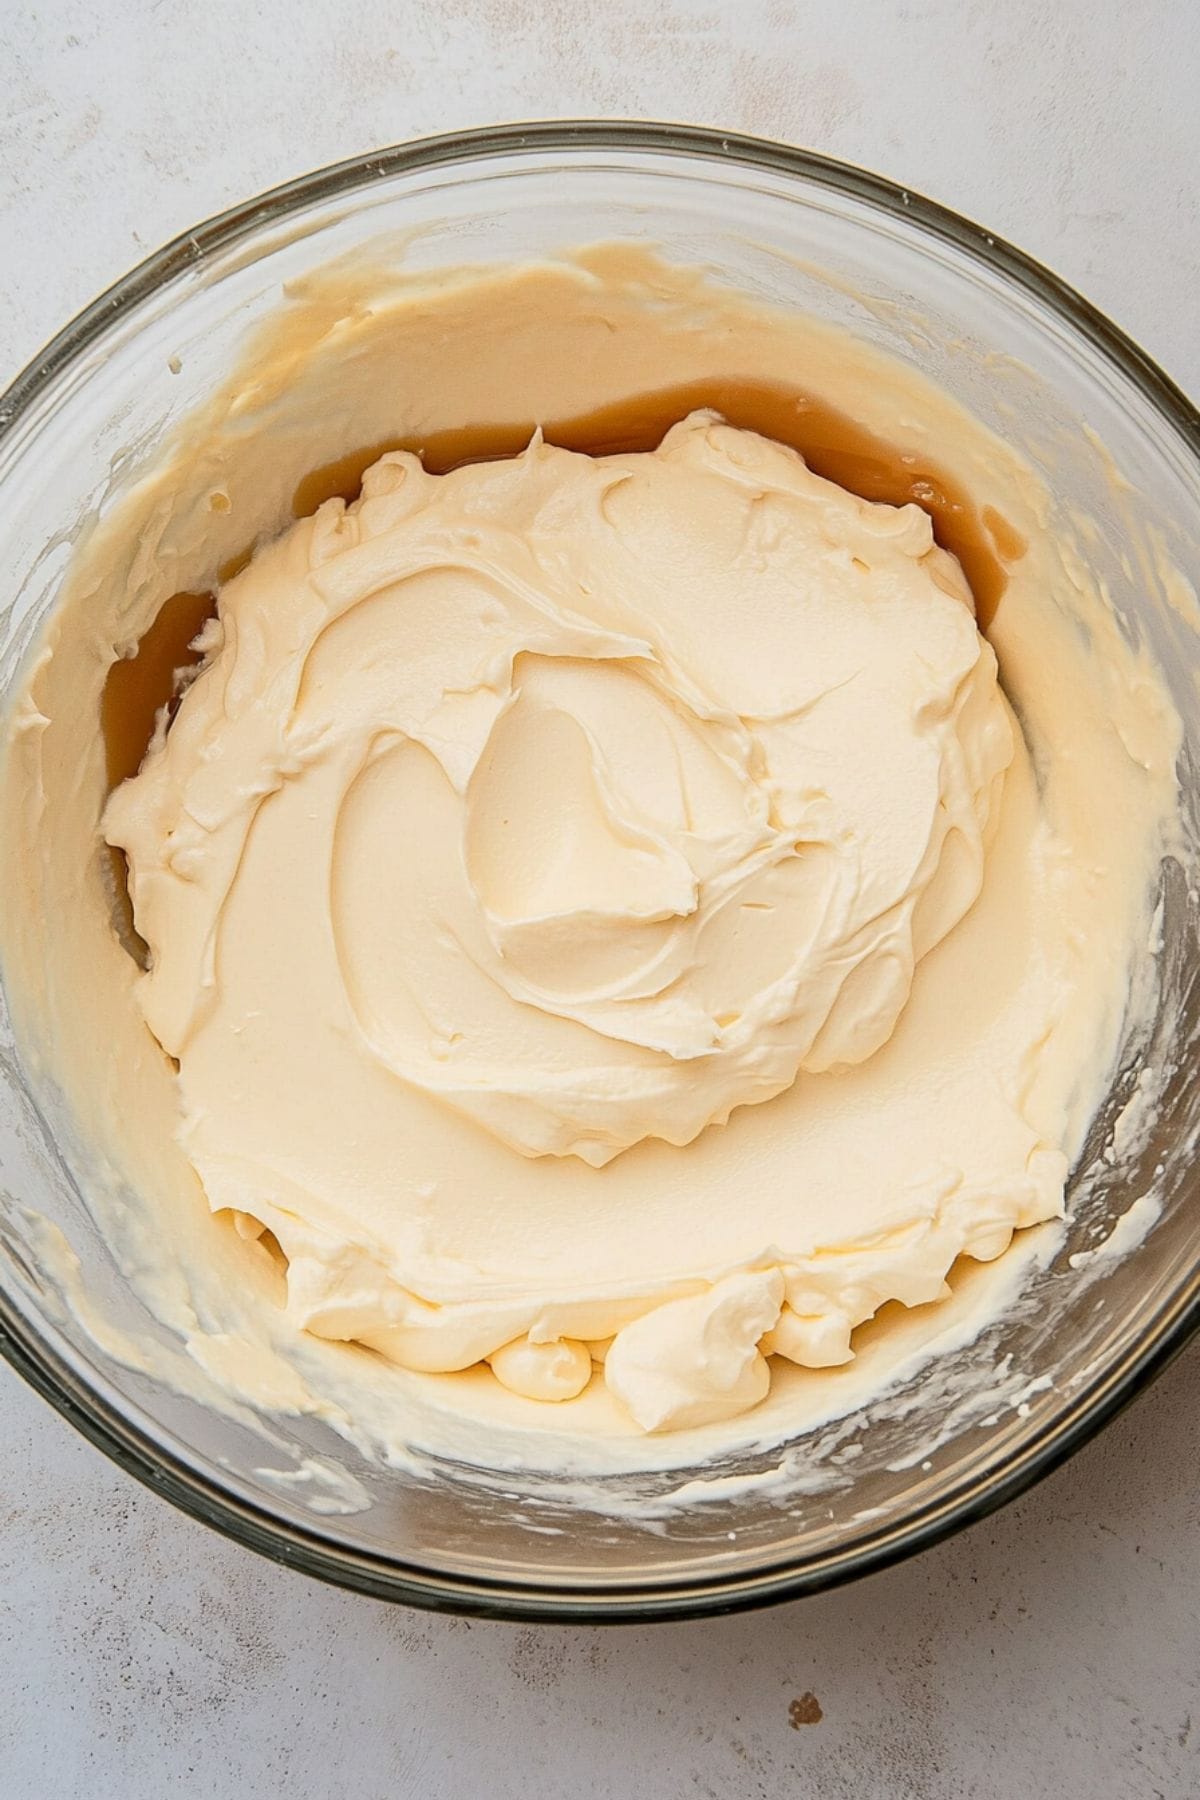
<point x="572" y="802"/>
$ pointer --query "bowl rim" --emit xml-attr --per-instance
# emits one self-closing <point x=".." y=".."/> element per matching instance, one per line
<point x="306" y="1547"/>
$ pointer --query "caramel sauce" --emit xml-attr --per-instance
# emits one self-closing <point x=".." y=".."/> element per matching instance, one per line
<point x="134" y="691"/>
<point x="832" y="444"/>
<point x="137" y="687"/>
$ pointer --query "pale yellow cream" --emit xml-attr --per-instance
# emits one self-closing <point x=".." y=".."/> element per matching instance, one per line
<point x="608" y="919"/>
<point x="553" y="806"/>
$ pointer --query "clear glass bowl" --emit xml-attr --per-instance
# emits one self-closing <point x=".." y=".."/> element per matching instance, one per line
<point x="918" y="281"/>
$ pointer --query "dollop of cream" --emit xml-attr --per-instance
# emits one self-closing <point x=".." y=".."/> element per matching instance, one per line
<point x="584" y="799"/>
<point x="694" y="1362"/>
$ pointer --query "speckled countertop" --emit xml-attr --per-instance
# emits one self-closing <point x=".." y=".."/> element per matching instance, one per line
<point x="1049" y="1653"/>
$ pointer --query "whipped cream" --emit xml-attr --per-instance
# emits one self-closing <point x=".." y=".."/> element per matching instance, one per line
<point x="548" y="807"/>
<point x="613" y="932"/>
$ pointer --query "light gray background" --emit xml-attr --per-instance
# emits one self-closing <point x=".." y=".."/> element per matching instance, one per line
<point x="1052" y="1651"/>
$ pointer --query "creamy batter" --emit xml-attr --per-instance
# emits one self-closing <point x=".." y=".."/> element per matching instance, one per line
<point x="606" y="921"/>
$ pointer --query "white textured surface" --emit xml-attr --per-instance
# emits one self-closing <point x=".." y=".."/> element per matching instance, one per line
<point x="1050" y="1652"/>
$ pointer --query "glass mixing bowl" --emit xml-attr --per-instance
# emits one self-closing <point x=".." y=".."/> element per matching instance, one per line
<point x="1119" y="443"/>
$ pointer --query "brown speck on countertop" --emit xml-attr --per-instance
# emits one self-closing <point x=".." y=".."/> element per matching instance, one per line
<point x="805" y="1710"/>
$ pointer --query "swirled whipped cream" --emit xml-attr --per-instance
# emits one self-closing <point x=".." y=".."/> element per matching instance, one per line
<point x="543" y="810"/>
